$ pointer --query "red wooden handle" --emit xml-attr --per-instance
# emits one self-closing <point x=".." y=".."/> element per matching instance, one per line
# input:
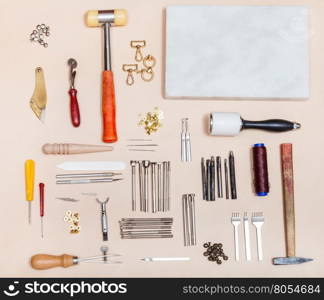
<point x="74" y="108"/>
<point x="41" y="198"/>
<point x="108" y="108"/>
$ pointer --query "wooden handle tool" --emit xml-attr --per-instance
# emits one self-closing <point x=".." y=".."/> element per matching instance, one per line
<point x="65" y="149"/>
<point x="46" y="261"/>
<point x="74" y="108"/>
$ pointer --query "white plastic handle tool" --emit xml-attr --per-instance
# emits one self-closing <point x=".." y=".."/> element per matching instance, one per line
<point x="92" y="165"/>
<point x="247" y="238"/>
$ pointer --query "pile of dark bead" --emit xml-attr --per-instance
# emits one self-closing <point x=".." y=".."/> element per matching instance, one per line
<point x="214" y="252"/>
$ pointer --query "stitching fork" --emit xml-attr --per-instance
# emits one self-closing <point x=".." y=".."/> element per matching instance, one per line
<point x="258" y="221"/>
<point x="236" y="221"/>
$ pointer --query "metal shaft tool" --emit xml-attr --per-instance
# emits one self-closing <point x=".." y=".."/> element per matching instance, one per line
<point x="87" y="175"/>
<point x="146" y="165"/>
<point x="204" y="179"/>
<point x="153" y="186"/>
<point x="212" y="179"/>
<point x="159" y="182"/>
<point x="133" y="165"/>
<point x="29" y="184"/>
<point x="82" y="181"/>
<point x="104" y="221"/>
<point x="219" y="177"/>
<point x="226" y="178"/>
<point x="289" y="209"/>
<point x="105" y="19"/>
<point x="41" y="206"/>
<point x="141" y="185"/>
<point x="232" y="175"/>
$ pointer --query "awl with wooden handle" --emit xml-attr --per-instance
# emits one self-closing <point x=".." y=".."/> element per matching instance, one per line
<point x="47" y="261"/>
<point x="65" y="148"/>
<point x="289" y="209"/>
<point x="41" y="206"/>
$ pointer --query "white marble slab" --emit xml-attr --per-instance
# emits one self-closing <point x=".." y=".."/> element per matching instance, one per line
<point x="237" y="52"/>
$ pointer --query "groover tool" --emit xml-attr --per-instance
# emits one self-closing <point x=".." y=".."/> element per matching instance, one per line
<point x="106" y="19"/>
<point x="74" y="105"/>
<point x="38" y="100"/>
<point x="92" y="165"/>
<point x="103" y="217"/>
<point x="47" y="261"/>
<point x="64" y="149"/>
<point x="289" y="209"/>
<point x="29" y="184"/>
<point x="231" y="123"/>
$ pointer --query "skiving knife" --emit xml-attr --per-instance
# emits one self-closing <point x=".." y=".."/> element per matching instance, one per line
<point x="39" y="98"/>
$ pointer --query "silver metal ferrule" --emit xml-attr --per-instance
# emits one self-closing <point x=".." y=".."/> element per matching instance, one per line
<point x="107" y="52"/>
<point x="106" y="16"/>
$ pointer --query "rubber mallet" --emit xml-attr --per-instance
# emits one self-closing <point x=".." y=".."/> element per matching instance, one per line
<point x="289" y="210"/>
<point x="106" y="19"/>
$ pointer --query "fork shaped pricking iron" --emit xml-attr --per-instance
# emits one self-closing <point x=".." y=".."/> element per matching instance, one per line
<point x="104" y="222"/>
<point x="236" y="221"/>
<point x="257" y="221"/>
<point x="247" y="236"/>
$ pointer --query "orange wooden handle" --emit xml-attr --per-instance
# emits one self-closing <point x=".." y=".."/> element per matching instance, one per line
<point x="108" y="108"/>
<point x="46" y="261"/>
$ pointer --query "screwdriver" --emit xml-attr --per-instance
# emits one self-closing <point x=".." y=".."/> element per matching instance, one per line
<point x="41" y="205"/>
<point x="29" y="182"/>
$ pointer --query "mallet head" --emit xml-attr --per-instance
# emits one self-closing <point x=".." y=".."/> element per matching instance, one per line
<point x="290" y="260"/>
<point x="96" y="18"/>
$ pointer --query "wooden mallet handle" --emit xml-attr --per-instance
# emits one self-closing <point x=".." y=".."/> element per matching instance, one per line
<point x="288" y="196"/>
<point x="108" y="108"/>
<point x="46" y="261"/>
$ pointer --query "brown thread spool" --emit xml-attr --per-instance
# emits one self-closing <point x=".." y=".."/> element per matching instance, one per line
<point x="260" y="168"/>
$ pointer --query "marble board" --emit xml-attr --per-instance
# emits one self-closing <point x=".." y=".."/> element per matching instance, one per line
<point x="243" y="52"/>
